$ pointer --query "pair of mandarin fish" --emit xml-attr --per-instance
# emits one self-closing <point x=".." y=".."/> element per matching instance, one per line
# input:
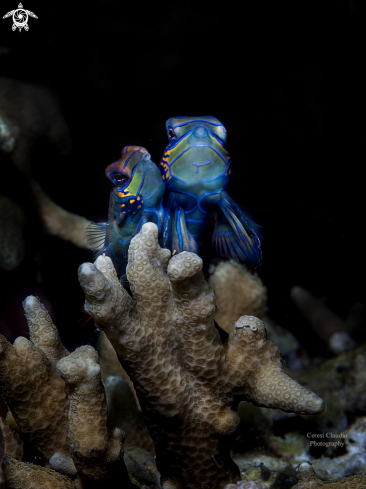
<point x="185" y="198"/>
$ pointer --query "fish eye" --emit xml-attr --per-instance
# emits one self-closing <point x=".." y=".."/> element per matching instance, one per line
<point x="171" y="133"/>
<point x="119" y="178"/>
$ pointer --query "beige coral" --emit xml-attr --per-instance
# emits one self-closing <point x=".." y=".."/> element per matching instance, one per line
<point x="35" y="394"/>
<point x="309" y="480"/>
<point x="27" y="113"/>
<point x="12" y="442"/>
<point x="237" y="293"/>
<point x="21" y="475"/>
<point x="187" y="381"/>
<point x="65" y="420"/>
<point x="96" y="446"/>
<point x="58" y="221"/>
<point x="331" y="328"/>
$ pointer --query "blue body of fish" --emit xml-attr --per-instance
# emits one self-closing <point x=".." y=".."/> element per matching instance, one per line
<point x="136" y="198"/>
<point x="196" y="168"/>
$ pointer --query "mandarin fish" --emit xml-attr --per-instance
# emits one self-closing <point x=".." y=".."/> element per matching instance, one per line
<point x="136" y="198"/>
<point x="196" y="168"/>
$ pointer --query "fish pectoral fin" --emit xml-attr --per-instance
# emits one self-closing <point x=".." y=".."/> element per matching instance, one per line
<point x="96" y="235"/>
<point x="234" y="235"/>
<point x="178" y="235"/>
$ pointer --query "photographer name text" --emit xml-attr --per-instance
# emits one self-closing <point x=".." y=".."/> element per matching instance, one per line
<point x="316" y="437"/>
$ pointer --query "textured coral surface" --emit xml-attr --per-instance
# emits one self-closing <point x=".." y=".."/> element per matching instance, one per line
<point x="59" y="406"/>
<point x="187" y="381"/>
<point x="35" y="394"/>
<point x="309" y="480"/>
<point x="20" y="475"/>
<point x="95" y="445"/>
<point x="237" y="293"/>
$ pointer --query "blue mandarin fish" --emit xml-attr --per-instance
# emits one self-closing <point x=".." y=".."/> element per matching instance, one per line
<point x="136" y="198"/>
<point x="196" y="168"/>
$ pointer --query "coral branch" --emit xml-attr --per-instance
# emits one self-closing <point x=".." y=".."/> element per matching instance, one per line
<point x="21" y="474"/>
<point x="187" y="381"/>
<point x="58" y="221"/>
<point x="95" y="446"/>
<point x="59" y="408"/>
<point x="35" y="394"/>
<point x="43" y="332"/>
<point x="12" y="441"/>
<point x="255" y="371"/>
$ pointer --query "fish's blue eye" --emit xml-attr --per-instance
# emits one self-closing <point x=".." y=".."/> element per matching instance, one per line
<point x="171" y="133"/>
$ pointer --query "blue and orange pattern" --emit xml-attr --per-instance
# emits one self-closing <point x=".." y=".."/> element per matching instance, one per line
<point x="136" y="198"/>
<point x="195" y="168"/>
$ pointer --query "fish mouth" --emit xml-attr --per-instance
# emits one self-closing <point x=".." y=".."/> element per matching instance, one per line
<point x="200" y="132"/>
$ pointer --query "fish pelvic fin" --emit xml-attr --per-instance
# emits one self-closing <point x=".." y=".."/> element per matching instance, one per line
<point x="176" y="234"/>
<point x="234" y="235"/>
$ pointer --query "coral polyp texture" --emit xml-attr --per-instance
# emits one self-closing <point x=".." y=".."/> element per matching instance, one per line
<point x="186" y="379"/>
<point x="237" y="292"/>
<point x="57" y="402"/>
<point x="309" y="480"/>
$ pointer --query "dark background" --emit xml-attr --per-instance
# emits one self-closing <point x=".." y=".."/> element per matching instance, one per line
<point x="287" y="80"/>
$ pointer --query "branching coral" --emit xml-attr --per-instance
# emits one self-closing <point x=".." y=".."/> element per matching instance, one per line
<point x="331" y="328"/>
<point x="63" y="417"/>
<point x="237" y="293"/>
<point x="309" y="480"/>
<point x="187" y="381"/>
<point x="28" y="113"/>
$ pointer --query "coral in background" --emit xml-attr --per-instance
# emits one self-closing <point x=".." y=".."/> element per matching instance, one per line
<point x="28" y="113"/>
<point x="336" y="332"/>
<point x="7" y="135"/>
<point x="63" y="417"/>
<point x="32" y="112"/>
<point x="341" y="381"/>
<point x="12" y="220"/>
<point x="187" y="381"/>
<point x="309" y="480"/>
<point x="246" y="485"/>
<point x="58" y="221"/>
<point x="352" y="461"/>
<point x="237" y="293"/>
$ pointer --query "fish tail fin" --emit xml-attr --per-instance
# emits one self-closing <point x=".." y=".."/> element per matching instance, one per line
<point x="235" y="233"/>
<point x="176" y="232"/>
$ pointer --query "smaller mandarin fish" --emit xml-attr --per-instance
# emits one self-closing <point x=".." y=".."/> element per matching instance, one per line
<point x="196" y="168"/>
<point x="136" y="198"/>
